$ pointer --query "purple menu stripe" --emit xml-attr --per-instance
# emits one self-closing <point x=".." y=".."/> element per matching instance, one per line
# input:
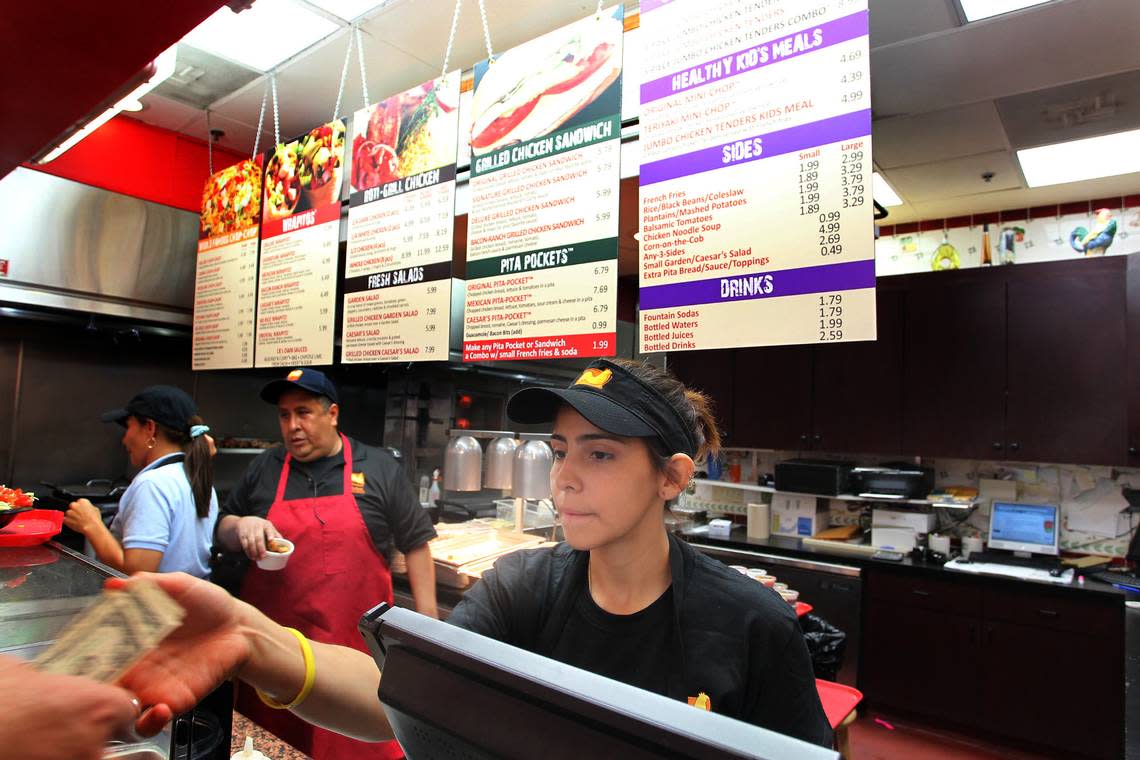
<point x="849" y="126"/>
<point x="833" y="33"/>
<point x="853" y="275"/>
<point x="652" y="5"/>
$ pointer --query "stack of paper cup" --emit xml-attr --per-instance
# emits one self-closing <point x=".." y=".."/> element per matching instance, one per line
<point x="759" y="521"/>
<point x="971" y="544"/>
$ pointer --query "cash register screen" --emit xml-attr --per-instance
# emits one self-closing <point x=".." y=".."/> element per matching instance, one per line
<point x="451" y="693"/>
<point x="1024" y="527"/>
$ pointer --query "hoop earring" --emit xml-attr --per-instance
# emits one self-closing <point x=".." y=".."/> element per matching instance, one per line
<point x="150" y="443"/>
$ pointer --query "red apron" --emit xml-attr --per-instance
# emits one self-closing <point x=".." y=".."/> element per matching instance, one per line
<point x="334" y="575"/>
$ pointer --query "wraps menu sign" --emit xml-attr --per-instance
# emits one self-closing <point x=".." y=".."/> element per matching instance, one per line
<point x="401" y="221"/>
<point x="756" y="210"/>
<point x="226" y="279"/>
<point x="300" y="229"/>
<point x="542" y="231"/>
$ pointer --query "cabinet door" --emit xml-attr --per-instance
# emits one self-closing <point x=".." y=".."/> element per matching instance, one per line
<point x="1025" y="671"/>
<point x="1067" y="367"/>
<point x="711" y="373"/>
<point x="954" y="365"/>
<point x="1133" y="389"/>
<point x="858" y="388"/>
<point x="772" y="405"/>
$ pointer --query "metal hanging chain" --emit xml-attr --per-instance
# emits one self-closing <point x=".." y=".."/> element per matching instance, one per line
<point x="598" y="12"/>
<point x="486" y="33"/>
<point x="260" y="120"/>
<point x="451" y="38"/>
<point x="363" y="72"/>
<point x="343" y="73"/>
<point x="209" y="143"/>
<point x="276" y="115"/>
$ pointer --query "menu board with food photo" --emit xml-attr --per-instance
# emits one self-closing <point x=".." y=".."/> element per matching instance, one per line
<point x="225" y="287"/>
<point x="300" y="229"/>
<point x="756" y="221"/>
<point x="401" y="219"/>
<point x="542" y="232"/>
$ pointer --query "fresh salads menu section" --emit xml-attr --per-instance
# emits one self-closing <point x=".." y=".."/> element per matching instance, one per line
<point x="300" y="229"/>
<point x="226" y="280"/>
<point x="401" y="221"/>
<point x="542" y="231"/>
<point x="755" y="199"/>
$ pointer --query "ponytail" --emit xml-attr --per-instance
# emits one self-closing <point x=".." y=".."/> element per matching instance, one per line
<point x="198" y="463"/>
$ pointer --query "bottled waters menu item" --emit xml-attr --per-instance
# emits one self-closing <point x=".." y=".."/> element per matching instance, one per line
<point x="755" y="201"/>
<point x="542" y="231"/>
<point x="401" y="220"/>
<point x="296" y="292"/>
<point x="225" y="286"/>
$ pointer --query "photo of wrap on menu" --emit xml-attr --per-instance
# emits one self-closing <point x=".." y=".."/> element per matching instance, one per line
<point x="542" y="231"/>
<point x="401" y="222"/>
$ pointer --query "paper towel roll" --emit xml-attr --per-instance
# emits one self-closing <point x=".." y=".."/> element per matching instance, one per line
<point x="971" y="544"/>
<point x="759" y="521"/>
<point x="940" y="544"/>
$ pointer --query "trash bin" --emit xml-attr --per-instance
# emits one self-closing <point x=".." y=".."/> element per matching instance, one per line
<point x="825" y="644"/>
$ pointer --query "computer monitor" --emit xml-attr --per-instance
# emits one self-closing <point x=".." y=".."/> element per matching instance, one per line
<point x="452" y="693"/>
<point x="1019" y="527"/>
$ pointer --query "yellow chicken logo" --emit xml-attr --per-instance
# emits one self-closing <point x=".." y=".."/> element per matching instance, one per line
<point x="701" y="701"/>
<point x="594" y="377"/>
<point x="294" y="376"/>
<point x="358" y="482"/>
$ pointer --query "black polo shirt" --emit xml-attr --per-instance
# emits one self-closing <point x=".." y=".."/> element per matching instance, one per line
<point x="727" y="635"/>
<point x="389" y="505"/>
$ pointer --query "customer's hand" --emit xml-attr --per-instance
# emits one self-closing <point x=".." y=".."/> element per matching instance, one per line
<point x="55" y="717"/>
<point x="211" y="645"/>
<point x="254" y="534"/>
<point x="83" y="517"/>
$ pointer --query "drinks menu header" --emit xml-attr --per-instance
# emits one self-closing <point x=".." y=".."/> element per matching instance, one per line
<point x="756" y="213"/>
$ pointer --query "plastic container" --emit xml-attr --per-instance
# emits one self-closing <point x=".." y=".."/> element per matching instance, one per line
<point x="276" y="560"/>
<point x="248" y="752"/>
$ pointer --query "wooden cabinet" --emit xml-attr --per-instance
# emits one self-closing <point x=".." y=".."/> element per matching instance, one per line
<point x="712" y="373"/>
<point x="1133" y="387"/>
<point x="772" y="408"/>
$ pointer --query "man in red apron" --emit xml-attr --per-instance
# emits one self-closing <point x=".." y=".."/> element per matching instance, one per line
<point x="345" y="506"/>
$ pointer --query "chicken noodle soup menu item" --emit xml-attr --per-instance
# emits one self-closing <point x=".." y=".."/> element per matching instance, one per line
<point x="226" y="281"/>
<point x="401" y="221"/>
<point x="296" y="287"/>
<point x="542" y="231"/>
<point x="756" y="211"/>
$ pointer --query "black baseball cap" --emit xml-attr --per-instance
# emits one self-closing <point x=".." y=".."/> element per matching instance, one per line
<point x="164" y="404"/>
<point x="613" y="399"/>
<point x="311" y="380"/>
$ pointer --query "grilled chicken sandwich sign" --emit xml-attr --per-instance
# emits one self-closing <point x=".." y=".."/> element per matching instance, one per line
<point x="542" y="232"/>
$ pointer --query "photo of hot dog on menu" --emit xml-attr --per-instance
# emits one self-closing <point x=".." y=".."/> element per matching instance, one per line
<point x="305" y="173"/>
<point x="406" y="134"/>
<point x="566" y="77"/>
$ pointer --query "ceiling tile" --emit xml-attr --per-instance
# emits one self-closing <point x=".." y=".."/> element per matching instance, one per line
<point x="1072" y="112"/>
<point x="959" y="176"/>
<point x="892" y="21"/>
<point x="168" y="114"/>
<point x="940" y="135"/>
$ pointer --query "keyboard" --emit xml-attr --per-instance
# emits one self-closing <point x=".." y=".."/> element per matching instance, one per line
<point x="1121" y="579"/>
<point x="1010" y="571"/>
<point x="1000" y="558"/>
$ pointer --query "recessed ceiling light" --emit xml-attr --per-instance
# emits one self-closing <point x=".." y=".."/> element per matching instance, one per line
<point x="349" y="10"/>
<point x="262" y="37"/>
<point x="884" y="193"/>
<point x="1077" y="160"/>
<point x="976" y="10"/>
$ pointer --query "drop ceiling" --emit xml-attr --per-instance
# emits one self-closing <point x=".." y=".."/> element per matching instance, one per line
<point x="952" y="101"/>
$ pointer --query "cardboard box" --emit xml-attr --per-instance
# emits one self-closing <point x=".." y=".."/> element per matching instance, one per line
<point x="799" y="515"/>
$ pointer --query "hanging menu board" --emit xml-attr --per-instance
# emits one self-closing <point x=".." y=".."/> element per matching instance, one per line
<point x="542" y="232"/>
<point x="756" y="210"/>
<point x="296" y="290"/>
<point x="226" y="281"/>
<point x="401" y="220"/>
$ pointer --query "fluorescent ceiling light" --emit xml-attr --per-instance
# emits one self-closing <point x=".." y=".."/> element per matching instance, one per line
<point x="1077" y="160"/>
<point x="263" y="36"/>
<point x="349" y="10"/>
<point x="884" y="193"/>
<point x="976" y="10"/>
<point x="163" y="68"/>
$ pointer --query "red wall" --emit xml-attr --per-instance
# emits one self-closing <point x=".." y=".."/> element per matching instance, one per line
<point x="137" y="159"/>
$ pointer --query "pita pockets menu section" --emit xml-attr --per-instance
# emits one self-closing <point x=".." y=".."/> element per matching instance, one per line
<point x="401" y="222"/>
<point x="755" y="200"/>
<point x="296" y="289"/>
<point x="226" y="279"/>
<point x="542" y="231"/>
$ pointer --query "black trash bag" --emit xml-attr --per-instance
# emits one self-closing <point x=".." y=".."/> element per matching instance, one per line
<point x="825" y="644"/>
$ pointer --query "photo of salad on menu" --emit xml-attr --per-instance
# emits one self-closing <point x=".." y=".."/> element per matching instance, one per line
<point x="406" y="134"/>
<point x="564" y="78"/>
<point x="305" y="173"/>
<point x="231" y="200"/>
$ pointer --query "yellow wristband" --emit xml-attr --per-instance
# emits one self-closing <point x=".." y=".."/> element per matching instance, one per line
<point x="310" y="676"/>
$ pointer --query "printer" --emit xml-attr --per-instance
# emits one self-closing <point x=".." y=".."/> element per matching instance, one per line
<point x="896" y="528"/>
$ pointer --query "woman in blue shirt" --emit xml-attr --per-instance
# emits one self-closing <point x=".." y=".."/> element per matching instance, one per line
<point x="166" y="517"/>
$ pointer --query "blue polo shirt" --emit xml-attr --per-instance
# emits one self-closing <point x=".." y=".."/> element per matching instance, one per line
<point x="157" y="512"/>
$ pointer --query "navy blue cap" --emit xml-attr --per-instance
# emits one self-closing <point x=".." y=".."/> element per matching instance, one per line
<point x="164" y="404"/>
<point x="311" y="380"/>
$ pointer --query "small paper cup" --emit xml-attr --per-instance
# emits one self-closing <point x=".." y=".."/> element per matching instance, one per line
<point x="781" y="587"/>
<point x="740" y="569"/>
<point x="276" y="560"/>
<point x="768" y="580"/>
<point x="790" y="596"/>
<point x="756" y="573"/>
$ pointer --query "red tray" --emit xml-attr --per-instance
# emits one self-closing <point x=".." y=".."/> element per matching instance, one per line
<point x="803" y="608"/>
<point x="32" y="528"/>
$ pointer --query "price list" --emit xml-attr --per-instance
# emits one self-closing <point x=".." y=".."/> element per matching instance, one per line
<point x="755" y="213"/>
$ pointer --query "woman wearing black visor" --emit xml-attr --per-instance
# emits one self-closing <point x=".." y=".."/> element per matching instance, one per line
<point x="620" y="597"/>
